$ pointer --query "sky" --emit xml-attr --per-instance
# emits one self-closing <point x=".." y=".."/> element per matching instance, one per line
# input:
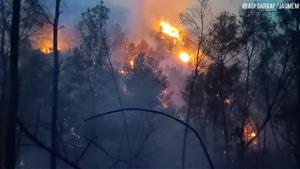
<point x="135" y="14"/>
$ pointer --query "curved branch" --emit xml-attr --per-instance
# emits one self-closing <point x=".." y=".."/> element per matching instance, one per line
<point x="43" y="146"/>
<point x="108" y="154"/>
<point x="165" y="115"/>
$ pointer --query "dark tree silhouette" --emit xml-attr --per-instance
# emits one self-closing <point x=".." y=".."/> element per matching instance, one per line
<point x="196" y="23"/>
<point x="55" y="86"/>
<point x="14" y="88"/>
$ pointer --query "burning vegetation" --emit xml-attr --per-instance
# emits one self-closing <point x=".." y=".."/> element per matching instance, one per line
<point x="109" y="70"/>
<point x="43" y="40"/>
<point x="249" y="132"/>
<point x="170" y="31"/>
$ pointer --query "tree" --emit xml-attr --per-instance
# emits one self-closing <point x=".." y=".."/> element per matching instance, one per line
<point x="93" y="33"/>
<point x="195" y="19"/>
<point x="55" y="85"/>
<point x="289" y="21"/>
<point x="223" y="44"/>
<point x="27" y="26"/>
<point x="254" y="28"/>
<point x="144" y="74"/>
<point x="94" y="49"/>
<point x="14" y="90"/>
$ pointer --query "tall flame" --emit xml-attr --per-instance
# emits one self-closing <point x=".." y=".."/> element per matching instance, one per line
<point x="170" y="30"/>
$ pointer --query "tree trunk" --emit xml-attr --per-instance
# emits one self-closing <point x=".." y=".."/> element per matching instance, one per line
<point x="191" y="95"/>
<point x="296" y="41"/>
<point x="10" y="153"/>
<point x="55" y="87"/>
<point x="223" y="111"/>
<point x="298" y="81"/>
<point x="3" y="89"/>
<point x="3" y="60"/>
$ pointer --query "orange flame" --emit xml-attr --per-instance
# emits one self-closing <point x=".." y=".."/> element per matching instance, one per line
<point x="184" y="57"/>
<point x="249" y="132"/>
<point x="43" y="40"/>
<point x="175" y="34"/>
<point x="46" y="49"/>
<point x="131" y="64"/>
<point x="170" y="30"/>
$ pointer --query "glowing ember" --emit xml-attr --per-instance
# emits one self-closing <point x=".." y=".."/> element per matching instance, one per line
<point x="165" y="105"/>
<point x="122" y="72"/>
<point x="253" y="134"/>
<point x="227" y="101"/>
<point x="170" y="30"/>
<point x="131" y="64"/>
<point x="164" y="99"/>
<point x="46" y="49"/>
<point x="249" y="132"/>
<point x="184" y="57"/>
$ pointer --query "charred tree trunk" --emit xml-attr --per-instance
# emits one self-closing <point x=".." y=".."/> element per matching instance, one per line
<point x="10" y="153"/>
<point x="55" y="87"/>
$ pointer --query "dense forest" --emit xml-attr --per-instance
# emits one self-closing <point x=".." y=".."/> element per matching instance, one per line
<point x="218" y="91"/>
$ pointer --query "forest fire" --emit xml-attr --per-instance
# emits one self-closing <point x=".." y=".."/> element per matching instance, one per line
<point x="46" y="48"/>
<point x="175" y="34"/>
<point x="149" y="84"/>
<point x="42" y="40"/>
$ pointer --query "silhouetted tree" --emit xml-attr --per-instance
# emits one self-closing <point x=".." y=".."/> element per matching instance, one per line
<point x="289" y="21"/>
<point x="10" y="159"/>
<point x="194" y="19"/>
<point x="255" y="27"/>
<point x="55" y="85"/>
<point x="142" y="77"/>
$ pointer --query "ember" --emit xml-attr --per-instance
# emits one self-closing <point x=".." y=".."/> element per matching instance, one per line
<point x="249" y="132"/>
<point x="131" y="64"/>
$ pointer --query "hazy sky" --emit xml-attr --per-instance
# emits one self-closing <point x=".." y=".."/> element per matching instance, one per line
<point x="125" y="11"/>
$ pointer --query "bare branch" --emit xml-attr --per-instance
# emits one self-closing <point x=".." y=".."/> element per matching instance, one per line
<point x="165" y="115"/>
<point x="43" y="146"/>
